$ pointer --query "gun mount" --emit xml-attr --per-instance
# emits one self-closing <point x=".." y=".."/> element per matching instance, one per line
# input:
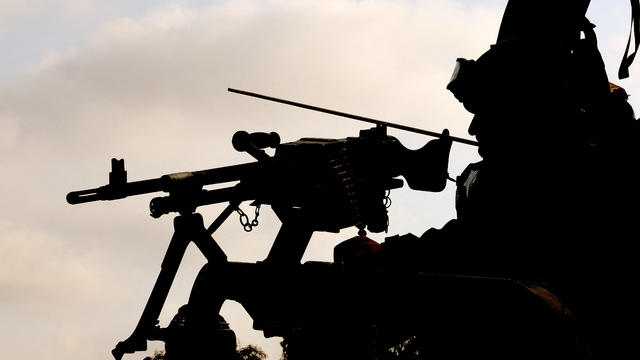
<point x="312" y="185"/>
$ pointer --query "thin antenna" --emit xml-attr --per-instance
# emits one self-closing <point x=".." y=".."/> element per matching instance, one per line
<point x="351" y="116"/>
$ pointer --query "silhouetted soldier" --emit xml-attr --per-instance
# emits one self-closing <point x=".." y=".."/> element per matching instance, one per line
<point x="559" y="148"/>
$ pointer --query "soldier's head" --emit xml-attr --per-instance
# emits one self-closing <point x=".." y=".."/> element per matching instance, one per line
<point x="519" y="84"/>
<point x="512" y="89"/>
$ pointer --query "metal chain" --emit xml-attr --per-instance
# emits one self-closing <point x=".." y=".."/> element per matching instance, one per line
<point x="244" y="219"/>
<point x="254" y="222"/>
<point x="387" y="200"/>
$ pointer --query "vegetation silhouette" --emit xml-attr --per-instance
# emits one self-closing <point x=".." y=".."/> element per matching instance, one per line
<point x="248" y="352"/>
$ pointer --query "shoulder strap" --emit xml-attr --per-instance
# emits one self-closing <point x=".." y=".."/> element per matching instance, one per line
<point x="627" y="60"/>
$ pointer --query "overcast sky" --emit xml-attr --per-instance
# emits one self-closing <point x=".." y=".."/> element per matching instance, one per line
<point x="82" y="81"/>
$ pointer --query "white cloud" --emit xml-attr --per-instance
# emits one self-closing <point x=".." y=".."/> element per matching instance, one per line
<point x="35" y="265"/>
<point x="50" y="295"/>
<point x="10" y="133"/>
<point x="13" y="12"/>
<point x="51" y="60"/>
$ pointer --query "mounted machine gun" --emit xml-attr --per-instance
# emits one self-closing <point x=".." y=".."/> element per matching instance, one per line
<point x="311" y="184"/>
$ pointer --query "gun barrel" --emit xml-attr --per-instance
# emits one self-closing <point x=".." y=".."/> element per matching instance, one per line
<point x="166" y="183"/>
<point x="114" y="192"/>
<point x="228" y="173"/>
